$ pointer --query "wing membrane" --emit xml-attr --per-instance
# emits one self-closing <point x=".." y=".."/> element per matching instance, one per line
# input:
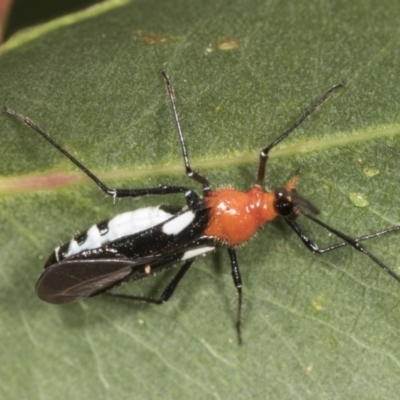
<point x="73" y="280"/>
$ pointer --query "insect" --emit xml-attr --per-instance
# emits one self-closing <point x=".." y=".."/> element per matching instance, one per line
<point x="141" y="243"/>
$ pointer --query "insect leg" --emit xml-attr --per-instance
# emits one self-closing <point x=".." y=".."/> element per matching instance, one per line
<point x="237" y="280"/>
<point x="264" y="154"/>
<point x="353" y="242"/>
<point x="189" y="171"/>
<point x="315" y="248"/>
<point x="160" y="190"/>
<point x="168" y="291"/>
<point x="190" y="196"/>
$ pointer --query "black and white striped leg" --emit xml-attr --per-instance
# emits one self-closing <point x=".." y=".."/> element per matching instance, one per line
<point x="166" y="294"/>
<point x="353" y="242"/>
<point x="237" y="280"/>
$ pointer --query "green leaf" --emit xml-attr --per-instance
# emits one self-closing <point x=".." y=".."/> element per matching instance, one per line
<point x="314" y="326"/>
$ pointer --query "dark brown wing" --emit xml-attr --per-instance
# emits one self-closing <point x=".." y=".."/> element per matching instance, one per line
<point x="73" y="280"/>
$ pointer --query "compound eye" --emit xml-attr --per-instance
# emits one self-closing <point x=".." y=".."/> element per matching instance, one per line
<point x="283" y="203"/>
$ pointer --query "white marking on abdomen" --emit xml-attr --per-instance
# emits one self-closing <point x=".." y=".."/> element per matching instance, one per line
<point x="178" y="224"/>
<point x="121" y="225"/>
<point x="196" y="252"/>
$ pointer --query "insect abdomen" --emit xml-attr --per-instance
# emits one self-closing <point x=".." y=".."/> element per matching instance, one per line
<point x="122" y="225"/>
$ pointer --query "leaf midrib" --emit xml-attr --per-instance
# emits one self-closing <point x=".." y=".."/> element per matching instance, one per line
<point x="56" y="179"/>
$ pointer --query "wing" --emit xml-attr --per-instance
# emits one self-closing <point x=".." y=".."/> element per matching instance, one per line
<point x="112" y="237"/>
<point x="72" y="280"/>
<point x="133" y="257"/>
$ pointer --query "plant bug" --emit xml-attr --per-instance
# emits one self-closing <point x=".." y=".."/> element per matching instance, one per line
<point x="144" y="242"/>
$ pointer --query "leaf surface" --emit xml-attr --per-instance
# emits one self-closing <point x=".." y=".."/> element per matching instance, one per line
<point x="314" y="326"/>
